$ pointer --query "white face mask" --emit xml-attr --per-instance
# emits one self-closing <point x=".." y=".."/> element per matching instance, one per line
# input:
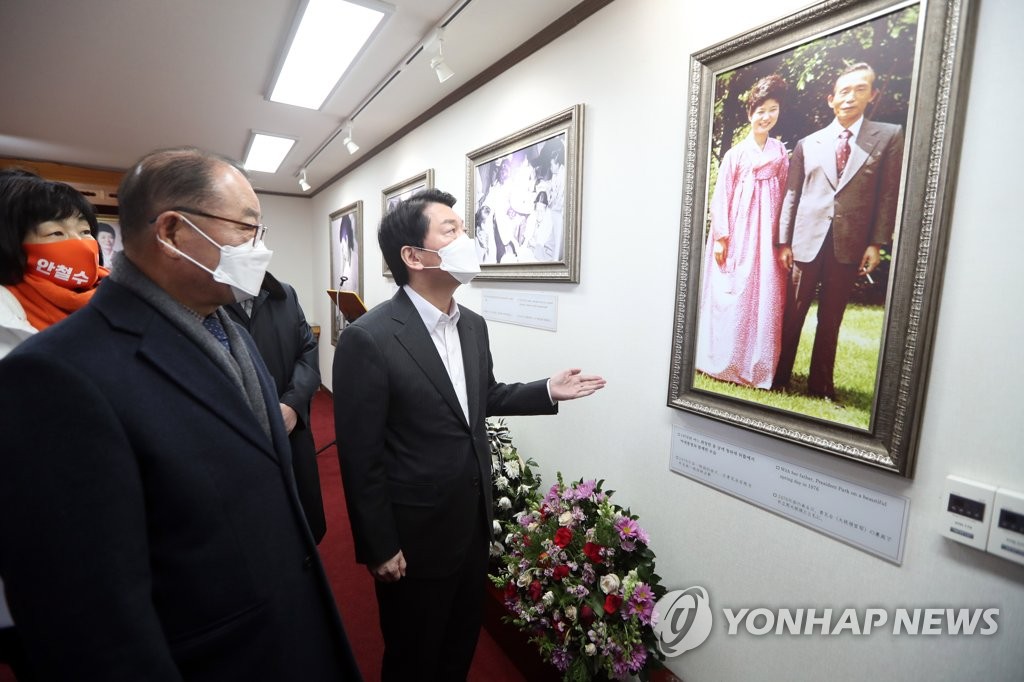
<point x="457" y="259"/>
<point x="241" y="267"/>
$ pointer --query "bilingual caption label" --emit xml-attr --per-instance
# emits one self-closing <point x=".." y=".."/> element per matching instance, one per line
<point x="525" y="308"/>
<point x="870" y="520"/>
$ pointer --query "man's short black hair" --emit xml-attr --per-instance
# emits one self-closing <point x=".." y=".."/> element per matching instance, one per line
<point x="406" y="225"/>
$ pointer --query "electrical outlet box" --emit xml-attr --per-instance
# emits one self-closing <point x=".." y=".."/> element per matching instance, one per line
<point x="968" y="511"/>
<point x="1006" y="538"/>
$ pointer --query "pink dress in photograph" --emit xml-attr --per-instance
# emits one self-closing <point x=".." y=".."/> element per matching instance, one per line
<point x="740" y="319"/>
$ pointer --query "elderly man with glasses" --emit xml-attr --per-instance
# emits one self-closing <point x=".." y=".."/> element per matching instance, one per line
<point x="149" y="519"/>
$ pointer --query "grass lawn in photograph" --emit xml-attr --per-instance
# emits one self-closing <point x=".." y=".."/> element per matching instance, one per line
<point x="856" y="367"/>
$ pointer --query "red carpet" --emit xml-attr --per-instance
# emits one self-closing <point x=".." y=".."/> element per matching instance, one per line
<point x="352" y="584"/>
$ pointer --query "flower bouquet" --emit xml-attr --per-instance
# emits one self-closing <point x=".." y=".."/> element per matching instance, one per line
<point x="579" y="577"/>
<point x="514" y="484"/>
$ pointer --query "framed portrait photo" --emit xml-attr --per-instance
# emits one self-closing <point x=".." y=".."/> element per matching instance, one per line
<point x="818" y="182"/>
<point x="345" y="233"/>
<point x="108" y="234"/>
<point x="523" y="198"/>
<point x="401" y="191"/>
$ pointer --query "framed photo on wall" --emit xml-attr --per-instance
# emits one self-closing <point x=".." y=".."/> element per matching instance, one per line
<point x="346" y="240"/>
<point x="108" y="234"/>
<point x="400" y="192"/>
<point x="523" y="201"/>
<point x="818" y="182"/>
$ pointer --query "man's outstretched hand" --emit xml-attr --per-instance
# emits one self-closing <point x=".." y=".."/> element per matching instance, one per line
<point x="569" y="384"/>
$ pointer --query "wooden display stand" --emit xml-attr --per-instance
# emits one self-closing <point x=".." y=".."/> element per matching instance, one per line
<point x="349" y="303"/>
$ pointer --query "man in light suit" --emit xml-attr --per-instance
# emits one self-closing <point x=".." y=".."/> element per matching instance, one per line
<point x="838" y="212"/>
<point x="149" y="520"/>
<point x="413" y="383"/>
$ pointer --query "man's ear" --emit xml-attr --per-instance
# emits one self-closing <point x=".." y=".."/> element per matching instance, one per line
<point x="167" y="227"/>
<point x="411" y="258"/>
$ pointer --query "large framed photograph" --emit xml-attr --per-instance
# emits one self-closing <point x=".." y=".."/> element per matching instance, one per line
<point x="523" y="201"/>
<point x="346" y="239"/>
<point x="400" y="191"/>
<point x="821" y="152"/>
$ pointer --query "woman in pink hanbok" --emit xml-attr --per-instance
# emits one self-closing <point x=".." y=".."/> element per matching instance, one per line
<point x="740" y="322"/>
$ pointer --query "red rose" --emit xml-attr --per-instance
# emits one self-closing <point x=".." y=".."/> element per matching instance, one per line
<point x="510" y="590"/>
<point x="586" y="615"/>
<point x="593" y="552"/>
<point x="536" y="590"/>
<point x="612" y="603"/>
<point x="563" y="537"/>
<point x="526" y="540"/>
<point x="560" y="572"/>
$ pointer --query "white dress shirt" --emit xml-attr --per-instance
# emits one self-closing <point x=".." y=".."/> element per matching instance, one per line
<point x="444" y="332"/>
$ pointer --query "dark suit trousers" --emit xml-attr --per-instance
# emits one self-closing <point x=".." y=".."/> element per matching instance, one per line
<point x="307" y="480"/>
<point x="12" y="652"/>
<point x="836" y="283"/>
<point x="431" y="626"/>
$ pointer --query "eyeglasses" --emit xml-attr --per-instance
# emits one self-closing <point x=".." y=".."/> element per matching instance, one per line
<point x="258" y="230"/>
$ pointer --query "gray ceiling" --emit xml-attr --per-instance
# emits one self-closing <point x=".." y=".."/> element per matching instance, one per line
<point x="98" y="83"/>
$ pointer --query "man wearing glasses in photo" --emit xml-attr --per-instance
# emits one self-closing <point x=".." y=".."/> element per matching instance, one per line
<point x="148" y="509"/>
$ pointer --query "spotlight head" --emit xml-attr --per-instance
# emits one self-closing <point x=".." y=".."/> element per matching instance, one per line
<point x="303" y="183"/>
<point x="441" y="68"/>
<point x="350" y="144"/>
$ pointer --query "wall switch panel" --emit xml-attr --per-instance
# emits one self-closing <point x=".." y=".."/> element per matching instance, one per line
<point x="968" y="511"/>
<point x="1006" y="537"/>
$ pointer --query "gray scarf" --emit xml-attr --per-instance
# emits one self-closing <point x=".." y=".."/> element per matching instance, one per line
<point x="237" y="365"/>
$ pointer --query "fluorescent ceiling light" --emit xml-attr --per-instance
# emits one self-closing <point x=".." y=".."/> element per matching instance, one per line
<point x="330" y="35"/>
<point x="266" y="152"/>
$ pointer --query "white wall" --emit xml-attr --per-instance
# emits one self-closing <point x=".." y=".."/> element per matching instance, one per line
<point x="628" y="65"/>
<point x="293" y="238"/>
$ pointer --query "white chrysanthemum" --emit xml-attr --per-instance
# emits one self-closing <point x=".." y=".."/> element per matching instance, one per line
<point x="565" y="518"/>
<point x="496" y="525"/>
<point x="504" y="503"/>
<point x="512" y="468"/>
<point x="501" y="482"/>
<point x="570" y="612"/>
<point x="590" y="649"/>
<point x="548" y="598"/>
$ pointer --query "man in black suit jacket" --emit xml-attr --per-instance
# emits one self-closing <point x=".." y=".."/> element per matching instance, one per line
<point x="838" y="212"/>
<point x="149" y="524"/>
<point x="275" y="320"/>
<point x="413" y="383"/>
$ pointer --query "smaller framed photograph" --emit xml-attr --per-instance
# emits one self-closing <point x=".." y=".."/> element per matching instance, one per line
<point x="523" y="201"/>
<point x="346" y="240"/>
<point x="108" y="234"/>
<point x="400" y="191"/>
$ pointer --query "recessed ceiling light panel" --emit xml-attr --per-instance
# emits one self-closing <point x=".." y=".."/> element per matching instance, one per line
<point x="266" y="152"/>
<point x="330" y="35"/>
